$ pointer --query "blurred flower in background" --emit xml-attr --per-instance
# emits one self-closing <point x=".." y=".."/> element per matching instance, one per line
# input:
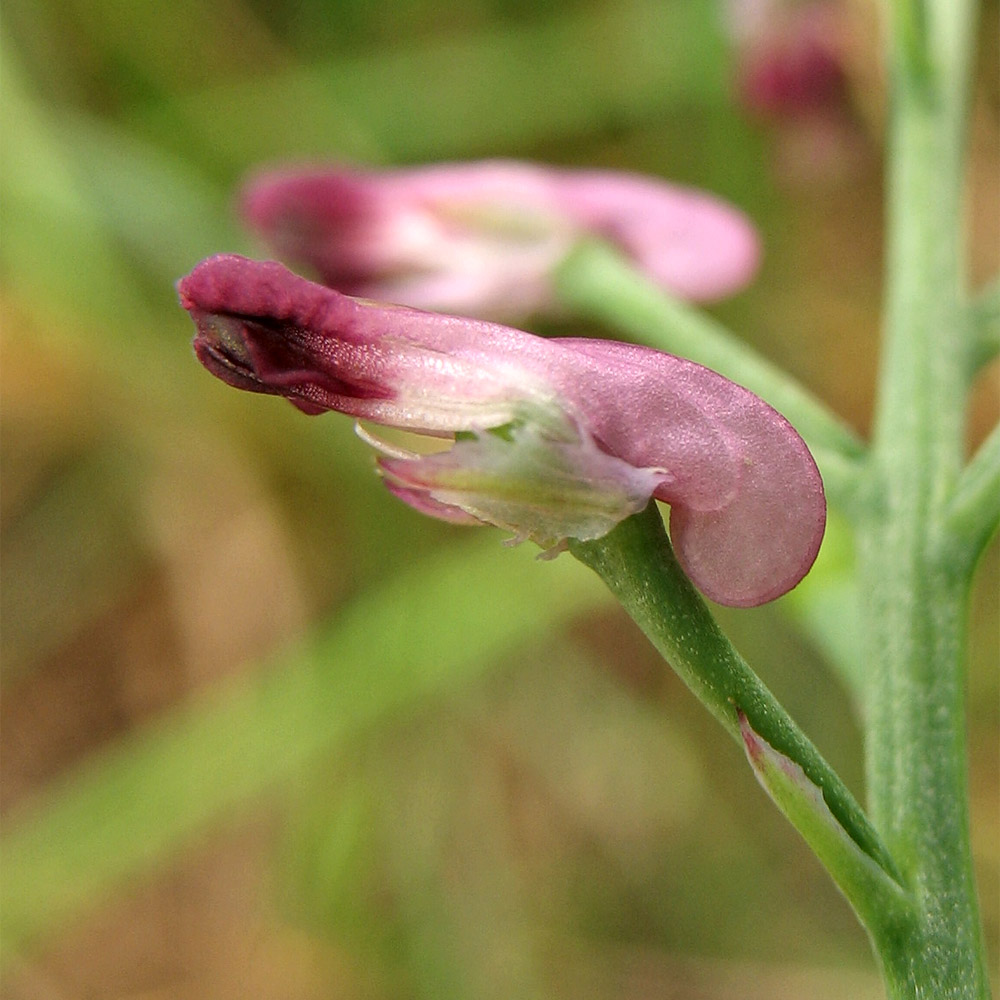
<point x="791" y="59"/>
<point x="483" y="239"/>
<point x="791" y="72"/>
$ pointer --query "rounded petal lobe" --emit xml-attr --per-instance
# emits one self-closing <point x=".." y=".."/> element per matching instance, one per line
<point x="764" y="537"/>
<point x="689" y="242"/>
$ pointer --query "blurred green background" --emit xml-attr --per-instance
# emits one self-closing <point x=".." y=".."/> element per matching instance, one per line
<point x="265" y="731"/>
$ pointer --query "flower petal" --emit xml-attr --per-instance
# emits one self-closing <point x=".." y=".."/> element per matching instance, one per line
<point x="691" y="243"/>
<point x="525" y="482"/>
<point x="762" y="538"/>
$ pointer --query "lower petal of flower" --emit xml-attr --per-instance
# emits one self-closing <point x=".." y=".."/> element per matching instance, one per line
<point x="535" y="487"/>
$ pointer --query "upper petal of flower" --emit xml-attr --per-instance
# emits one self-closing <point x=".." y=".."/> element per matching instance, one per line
<point x="690" y="243"/>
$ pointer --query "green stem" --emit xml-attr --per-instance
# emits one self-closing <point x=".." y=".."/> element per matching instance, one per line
<point x="637" y="563"/>
<point x="597" y="282"/>
<point x="914" y="589"/>
<point x="911" y="26"/>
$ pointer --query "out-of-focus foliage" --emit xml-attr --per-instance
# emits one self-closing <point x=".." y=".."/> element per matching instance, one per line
<point x="268" y="733"/>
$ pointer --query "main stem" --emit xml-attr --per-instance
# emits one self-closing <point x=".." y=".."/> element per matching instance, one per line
<point x="914" y="578"/>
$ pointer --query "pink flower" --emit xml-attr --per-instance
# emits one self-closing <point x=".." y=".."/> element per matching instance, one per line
<point x="552" y="438"/>
<point x="791" y="57"/>
<point x="484" y="238"/>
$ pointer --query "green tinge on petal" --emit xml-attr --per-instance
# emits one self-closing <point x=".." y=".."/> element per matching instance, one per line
<point x="523" y="481"/>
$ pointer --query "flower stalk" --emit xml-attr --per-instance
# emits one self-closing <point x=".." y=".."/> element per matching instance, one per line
<point x="914" y="576"/>
<point x="637" y="563"/>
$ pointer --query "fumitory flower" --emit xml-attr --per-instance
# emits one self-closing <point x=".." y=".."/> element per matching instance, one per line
<point x="791" y="59"/>
<point x="792" y="71"/>
<point x="551" y="438"/>
<point x="484" y="238"/>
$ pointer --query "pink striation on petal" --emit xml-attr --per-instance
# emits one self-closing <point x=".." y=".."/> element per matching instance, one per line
<point x="420" y="500"/>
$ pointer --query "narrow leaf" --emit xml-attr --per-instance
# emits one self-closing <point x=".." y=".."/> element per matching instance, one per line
<point x="869" y="889"/>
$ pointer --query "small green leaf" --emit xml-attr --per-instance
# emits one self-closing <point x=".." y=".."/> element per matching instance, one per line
<point x="870" y="890"/>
